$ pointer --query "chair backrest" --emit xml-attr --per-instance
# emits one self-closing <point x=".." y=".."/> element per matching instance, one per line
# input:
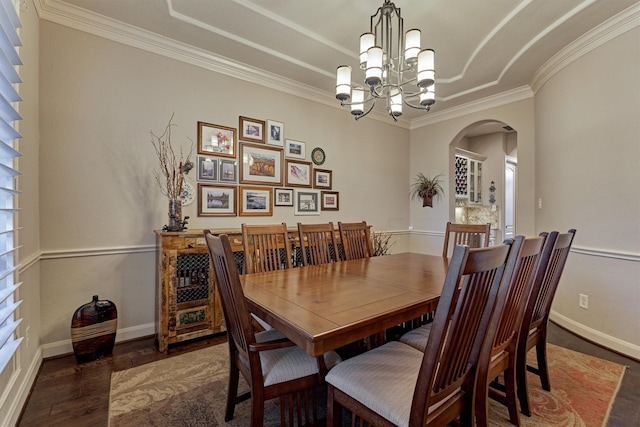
<point x="554" y="258"/>
<point x="355" y="238"/>
<point x="470" y="290"/>
<point x="526" y="262"/>
<point x="318" y="243"/>
<point x="472" y="235"/>
<point x="266" y="247"/>
<point x="234" y="306"/>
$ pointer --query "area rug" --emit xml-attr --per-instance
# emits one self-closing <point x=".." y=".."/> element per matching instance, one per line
<point x="190" y="389"/>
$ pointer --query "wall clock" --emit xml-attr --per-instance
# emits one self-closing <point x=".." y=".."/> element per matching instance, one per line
<point x="317" y="155"/>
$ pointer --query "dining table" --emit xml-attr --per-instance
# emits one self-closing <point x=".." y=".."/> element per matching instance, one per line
<point x="327" y="306"/>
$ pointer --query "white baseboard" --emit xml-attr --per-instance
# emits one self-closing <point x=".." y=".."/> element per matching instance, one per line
<point x="618" y="345"/>
<point x="60" y="348"/>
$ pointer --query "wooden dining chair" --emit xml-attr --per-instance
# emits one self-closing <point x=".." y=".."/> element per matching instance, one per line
<point x="318" y="243"/>
<point x="472" y="235"/>
<point x="355" y="239"/>
<point x="272" y="365"/>
<point x="498" y="356"/>
<point x="266" y="247"/>
<point x="396" y="384"/>
<point x="533" y="331"/>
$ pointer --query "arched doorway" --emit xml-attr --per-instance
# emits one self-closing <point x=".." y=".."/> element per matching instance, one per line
<point x="487" y="146"/>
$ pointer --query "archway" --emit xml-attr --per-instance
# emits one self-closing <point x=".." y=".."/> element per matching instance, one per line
<point x="490" y="150"/>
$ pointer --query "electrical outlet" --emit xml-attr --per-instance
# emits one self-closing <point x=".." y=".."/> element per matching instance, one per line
<point x="584" y="301"/>
<point x="540" y="203"/>
<point x="27" y="335"/>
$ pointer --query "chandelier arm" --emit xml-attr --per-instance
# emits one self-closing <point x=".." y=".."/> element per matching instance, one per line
<point x="421" y="107"/>
<point x="359" y="116"/>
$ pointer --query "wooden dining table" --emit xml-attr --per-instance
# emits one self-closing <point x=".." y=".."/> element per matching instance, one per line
<point x="324" y="307"/>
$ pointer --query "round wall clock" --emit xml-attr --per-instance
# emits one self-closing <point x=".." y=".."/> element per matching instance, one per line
<point x="188" y="193"/>
<point x="317" y="155"/>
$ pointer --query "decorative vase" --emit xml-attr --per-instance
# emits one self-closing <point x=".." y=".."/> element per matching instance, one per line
<point x="93" y="330"/>
<point x="175" y="215"/>
<point x="427" y="201"/>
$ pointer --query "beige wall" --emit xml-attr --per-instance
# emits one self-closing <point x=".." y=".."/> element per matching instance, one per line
<point x="432" y="151"/>
<point x="100" y="202"/>
<point x="587" y="174"/>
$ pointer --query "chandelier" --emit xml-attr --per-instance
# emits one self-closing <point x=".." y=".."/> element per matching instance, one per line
<point x="396" y="69"/>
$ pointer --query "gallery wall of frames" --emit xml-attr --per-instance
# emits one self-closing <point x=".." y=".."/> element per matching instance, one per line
<point x="253" y="169"/>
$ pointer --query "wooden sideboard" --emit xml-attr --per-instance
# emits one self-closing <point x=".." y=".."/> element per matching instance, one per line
<point x="187" y="302"/>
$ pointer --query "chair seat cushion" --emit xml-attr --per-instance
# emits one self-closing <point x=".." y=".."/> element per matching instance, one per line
<point x="418" y="337"/>
<point x="289" y="363"/>
<point x="383" y="379"/>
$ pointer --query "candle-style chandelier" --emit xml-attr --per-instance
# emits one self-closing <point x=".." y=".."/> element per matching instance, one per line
<point x="395" y="68"/>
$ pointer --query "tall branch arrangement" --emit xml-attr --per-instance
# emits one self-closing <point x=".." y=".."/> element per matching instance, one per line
<point x="173" y="167"/>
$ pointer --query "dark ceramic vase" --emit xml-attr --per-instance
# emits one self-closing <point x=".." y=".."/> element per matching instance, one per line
<point x="93" y="330"/>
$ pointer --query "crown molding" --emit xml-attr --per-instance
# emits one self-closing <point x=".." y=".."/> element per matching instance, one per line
<point x="596" y="37"/>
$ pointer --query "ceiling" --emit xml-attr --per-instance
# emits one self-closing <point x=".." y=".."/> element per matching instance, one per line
<point x="483" y="48"/>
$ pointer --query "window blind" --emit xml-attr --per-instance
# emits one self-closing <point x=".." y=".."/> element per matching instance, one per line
<point x="9" y="98"/>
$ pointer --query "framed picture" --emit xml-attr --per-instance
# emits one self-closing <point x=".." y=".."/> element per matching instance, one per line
<point x="260" y="164"/>
<point x="216" y="200"/>
<point x="322" y="178"/>
<point x="255" y="201"/>
<point x="283" y="196"/>
<point x="307" y="202"/>
<point x="330" y="200"/>
<point x="298" y="174"/>
<point x="216" y="140"/>
<point x="228" y="170"/>
<point x="275" y="133"/>
<point x="251" y="129"/>
<point x="295" y="149"/>
<point x="207" y="169"/>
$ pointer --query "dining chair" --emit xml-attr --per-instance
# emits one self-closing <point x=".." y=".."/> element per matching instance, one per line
<point x="498" y="356"/>
<point x="533" y="331"/>
<point x="396" y="384"/>
<point x="355" y="239"/>
<point x="266" y="247"/>
<point x="318" y="243"/>
<point x="472" y="235"/>
<point x="272" y="365"/>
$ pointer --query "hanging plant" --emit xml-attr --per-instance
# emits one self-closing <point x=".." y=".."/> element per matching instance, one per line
<point x="427" y="188"/>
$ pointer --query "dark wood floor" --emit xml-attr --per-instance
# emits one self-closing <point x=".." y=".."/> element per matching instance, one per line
<point x="69" y="394"/>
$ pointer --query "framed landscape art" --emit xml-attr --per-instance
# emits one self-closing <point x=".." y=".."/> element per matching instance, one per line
<point x="228" y="170"/>
<point x="251" y="129"/>
<point x="297" y="174"/>
<point x="261" y="164"/>
<point x="255" y="201"/>
<point x="295" y="149"/>
<point x="207" y="168"/>
<point x="275" y="133"/>
<point x="330" y="200"/>
<point x="322" y="179"/>
<point x="307" y="202"/>
<point x="283" y="196"/>
<point x="216" y="140"/>
<point x="216" y="200"/>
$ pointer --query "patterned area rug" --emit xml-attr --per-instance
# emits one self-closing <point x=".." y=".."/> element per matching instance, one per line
<point x="190" y="389"/>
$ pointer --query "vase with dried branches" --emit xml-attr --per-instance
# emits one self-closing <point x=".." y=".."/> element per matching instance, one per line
<point x="170" y="177"/>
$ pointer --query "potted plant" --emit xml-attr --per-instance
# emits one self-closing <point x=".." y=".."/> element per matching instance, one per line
<point x="427" y="188"/>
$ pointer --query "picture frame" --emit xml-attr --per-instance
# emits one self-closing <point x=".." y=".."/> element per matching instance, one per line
<point x="322" y="178"/>
<point x="207" y="168"/>
<point x="275" y="133"/>
<point x="251" y="129"/>
<point x="261" y="165"/>
<point x="217" y="200"/>
<point x="330" y="200"/>
<point x="298" y="173"/>
<point x="283" y="196"/>
<point x="307" y="202"/>
<point x="295" y="149"/>
<point x="228" y="171"/>
<point x="255" y="201"/>
<point x="216" y="140"/>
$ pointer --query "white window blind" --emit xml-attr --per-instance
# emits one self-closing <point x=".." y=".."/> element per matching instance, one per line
<point x="9" y="98"/>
